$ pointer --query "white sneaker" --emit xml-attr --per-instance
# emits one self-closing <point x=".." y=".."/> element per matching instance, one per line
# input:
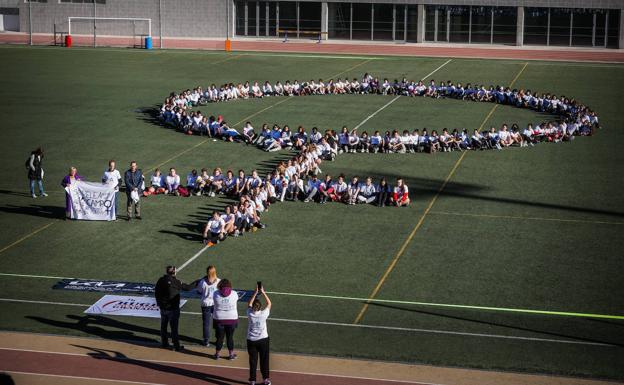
<point x="34" y="196"/>
<point x="44" y="194"/>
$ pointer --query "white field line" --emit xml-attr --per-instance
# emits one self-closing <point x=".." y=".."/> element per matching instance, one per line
<point x="361" y="326"/>
<point x="398" y="96"/>
<point x="200" y="252"/>
<point x="74" y="377"/>
<point x="203" y="365"/>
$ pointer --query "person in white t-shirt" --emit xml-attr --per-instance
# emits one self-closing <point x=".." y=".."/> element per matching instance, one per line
<point x="400" y="195"/>
<point x="112" y="177"/>
<point x="214" y="232"/>
<point x="206" y="287"/>
<point x="258" y="335"/>
<point x="225" y="316"/>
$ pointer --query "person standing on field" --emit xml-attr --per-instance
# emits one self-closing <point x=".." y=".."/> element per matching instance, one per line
<point x="225" y="317"/>
<point x="167" y="294"/>
<point x="133" y="178"/>
<point x="206" y="288"/>
<point x="258" y="336"/>
<point x="35" y="172"/>
<point x="112" y="177"/>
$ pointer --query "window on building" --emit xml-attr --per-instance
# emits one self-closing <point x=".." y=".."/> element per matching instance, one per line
<point x="412" y="22"/>
<point x="309" y="16"/>
<point x="613" y="28"/>
<point x="287" y="16"/>
<point x="582" y="27"/>
<point x="505" y="25"/>
<point x="361" y="21"/>
<point x="535" y="26"/>
<point x="481" y="27"/>
<point x="339" y="22"/>
<point x="459" y="24"/>
<point x="559" y="26"/>
<point x="382" y="25"/>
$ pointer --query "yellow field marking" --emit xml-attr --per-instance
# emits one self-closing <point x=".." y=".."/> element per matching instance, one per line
<point x="26" y="237"/>
<point x="350" y="69"/>
<point x="423" y="216"/>
<point x="527" y="218"/>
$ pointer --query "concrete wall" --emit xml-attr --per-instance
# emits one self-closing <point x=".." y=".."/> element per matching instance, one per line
<point x="181" y="18"/>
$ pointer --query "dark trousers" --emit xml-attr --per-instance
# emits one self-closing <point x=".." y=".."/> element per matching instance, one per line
<point x="169" y="317"/>
<point x="255" y="349"/>
<point x="206" y="320"/>
<point x="226" y="331"/>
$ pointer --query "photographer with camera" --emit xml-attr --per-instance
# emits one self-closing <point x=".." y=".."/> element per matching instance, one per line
<point x="258" y="336"/>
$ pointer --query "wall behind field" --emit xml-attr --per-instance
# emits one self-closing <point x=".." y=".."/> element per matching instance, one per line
<point x="181" y="18"/>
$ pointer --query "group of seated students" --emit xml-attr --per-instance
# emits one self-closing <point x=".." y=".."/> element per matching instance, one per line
<point x="177" y="109"/>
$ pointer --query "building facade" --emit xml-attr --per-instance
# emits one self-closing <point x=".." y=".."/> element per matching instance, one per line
<point x="572" y="23"/>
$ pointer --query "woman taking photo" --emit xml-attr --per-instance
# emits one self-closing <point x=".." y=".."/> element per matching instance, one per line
<point x="206" y="288"/>
<point x="69" y="179"/>
<point x="225" y="316"/>
<point x="258" y="336"/>
<point x="35" y="172"/>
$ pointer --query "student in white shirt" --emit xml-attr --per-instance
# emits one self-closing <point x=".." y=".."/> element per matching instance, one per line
<point x="112" y="177"/>
<point x="214" y="232"/>
<point x="258" y="335"/>
<point x="206" y="288"/>
<point x="172" y="182"/>
<point x="225" y="316"/>
<point x="368" y="192"/>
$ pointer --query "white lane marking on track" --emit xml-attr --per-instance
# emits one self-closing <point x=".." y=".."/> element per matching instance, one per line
<point x="392" y="328"/>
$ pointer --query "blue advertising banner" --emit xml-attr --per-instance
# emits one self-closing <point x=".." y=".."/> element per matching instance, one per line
<point x="120" y="287"/>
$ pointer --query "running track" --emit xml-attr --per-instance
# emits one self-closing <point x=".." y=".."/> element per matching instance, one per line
<point x="362" y="48"/>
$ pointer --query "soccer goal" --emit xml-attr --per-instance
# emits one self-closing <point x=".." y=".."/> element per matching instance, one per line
<point x="109" y="31"/>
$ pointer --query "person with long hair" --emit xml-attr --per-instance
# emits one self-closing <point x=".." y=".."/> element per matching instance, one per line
<point x="258" y="335"/>
<point x="225" y="316"/>
<point x="206" y="287"/>
<point x="35" y="172"/>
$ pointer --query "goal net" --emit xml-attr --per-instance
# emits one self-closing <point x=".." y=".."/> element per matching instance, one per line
<point x="109" y="31"/>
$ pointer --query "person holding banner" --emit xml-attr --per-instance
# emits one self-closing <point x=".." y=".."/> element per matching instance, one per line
<point x="206" y="288"/>
<point x="225" y="316"/>
<point x="167" y="293"/>
<point x="113" y="178"/>
<point x="133" y="177"/>
<point x="69" y="179"/>
<point x="258" y="335"/>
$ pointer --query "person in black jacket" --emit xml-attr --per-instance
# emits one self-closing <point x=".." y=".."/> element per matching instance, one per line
<point x="133" y="177"/>
<point x="35" y="172"/>
<point x="168" y="299"/>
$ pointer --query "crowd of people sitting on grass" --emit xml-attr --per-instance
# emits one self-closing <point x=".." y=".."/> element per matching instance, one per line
<point x="178" y="108"/>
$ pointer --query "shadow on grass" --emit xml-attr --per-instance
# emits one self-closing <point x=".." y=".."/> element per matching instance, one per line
<point x="503" y="325"/>
<point x="115" y="356"/>
<point x="110" y="329"/>
<point x="42" y="211"/>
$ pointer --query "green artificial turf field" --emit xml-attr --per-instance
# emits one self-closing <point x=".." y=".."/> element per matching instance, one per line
<point x="533" y="228"/>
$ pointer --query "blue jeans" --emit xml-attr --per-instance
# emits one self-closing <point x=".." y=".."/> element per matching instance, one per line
<point x="169" y="317"/>
<point x="32" y="186"/>
<point x="206" y="322"/>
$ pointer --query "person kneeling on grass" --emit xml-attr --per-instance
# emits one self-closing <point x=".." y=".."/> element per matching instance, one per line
<point x="400" y="196"/>
<point x="258" y="336"/>
<point x="214" y="232"/>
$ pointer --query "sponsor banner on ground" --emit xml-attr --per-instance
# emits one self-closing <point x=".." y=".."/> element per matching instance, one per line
<point x="127" y="306"/>
<point x="120" y="287"/>
<point x="92" y="201"/>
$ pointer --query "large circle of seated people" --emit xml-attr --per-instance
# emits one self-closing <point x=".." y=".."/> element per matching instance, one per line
<point x="574" y="118"/>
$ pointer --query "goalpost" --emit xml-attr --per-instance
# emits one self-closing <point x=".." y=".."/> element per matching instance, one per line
<point x="109" y="31"/>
